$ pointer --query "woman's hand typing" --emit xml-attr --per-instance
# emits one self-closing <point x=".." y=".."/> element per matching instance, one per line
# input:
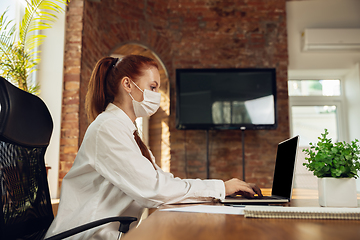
<point x="238" y="187"/>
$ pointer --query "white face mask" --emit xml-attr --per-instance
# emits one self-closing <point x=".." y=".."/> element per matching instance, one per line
<point x="149" y="105"/>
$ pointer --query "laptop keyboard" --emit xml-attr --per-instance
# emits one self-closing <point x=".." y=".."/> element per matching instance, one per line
<point x="255" y="197"/>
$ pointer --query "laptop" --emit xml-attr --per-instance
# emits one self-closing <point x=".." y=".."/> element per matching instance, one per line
<point x="283" y="177"/>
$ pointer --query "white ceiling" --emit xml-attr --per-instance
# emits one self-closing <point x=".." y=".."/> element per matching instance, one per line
<point x="320" y="14"/>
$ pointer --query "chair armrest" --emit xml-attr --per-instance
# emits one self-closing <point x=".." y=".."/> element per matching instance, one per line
<point x="124" y="226"/>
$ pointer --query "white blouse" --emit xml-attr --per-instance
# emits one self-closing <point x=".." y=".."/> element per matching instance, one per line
<point x="110" y="177"/>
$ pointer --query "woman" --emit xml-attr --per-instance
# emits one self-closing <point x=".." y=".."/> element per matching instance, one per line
<point x="114" y="173"/>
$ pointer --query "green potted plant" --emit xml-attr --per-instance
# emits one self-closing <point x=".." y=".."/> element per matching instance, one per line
<point x="19" y="43"/>
<point x="336" y="165"/>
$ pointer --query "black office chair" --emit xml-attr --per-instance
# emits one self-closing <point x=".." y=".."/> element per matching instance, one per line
<point x="25" y="130"/>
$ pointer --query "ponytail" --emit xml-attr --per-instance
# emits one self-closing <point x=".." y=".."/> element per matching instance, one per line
<point x="104" y="86"/>
<point x="96" y="99"/>
<point x="105" y="79"/>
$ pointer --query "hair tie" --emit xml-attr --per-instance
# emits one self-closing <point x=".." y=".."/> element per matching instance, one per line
<point x="112" y="64"/>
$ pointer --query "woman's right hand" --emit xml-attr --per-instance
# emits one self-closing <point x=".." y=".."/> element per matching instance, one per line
<point x="236" y="186"/>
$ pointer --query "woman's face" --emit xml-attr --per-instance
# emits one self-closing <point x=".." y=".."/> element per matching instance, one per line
<point x="150" y="80"/>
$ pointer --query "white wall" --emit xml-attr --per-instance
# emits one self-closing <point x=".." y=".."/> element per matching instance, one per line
<point x="320" y="14"/>
<point x="343" y="65"/>
<point x="50" y="78"/>
<point x="326" y="64"/>
<point x="352" y="88"/>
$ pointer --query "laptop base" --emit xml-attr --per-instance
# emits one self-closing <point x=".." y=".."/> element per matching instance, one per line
<point x="257" y="201"/>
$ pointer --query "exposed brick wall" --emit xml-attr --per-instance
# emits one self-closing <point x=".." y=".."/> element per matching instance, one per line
<point x="199" y="34"/>
<point x="106" y="29"/>
<point x="227" y="34"/>
<point x="69" y="142"/>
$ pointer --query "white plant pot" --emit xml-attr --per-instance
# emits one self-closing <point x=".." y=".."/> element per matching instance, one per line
<point x="337" y="192"/>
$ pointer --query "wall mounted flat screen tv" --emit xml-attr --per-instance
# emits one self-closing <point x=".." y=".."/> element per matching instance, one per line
<point x="226" y="99"/>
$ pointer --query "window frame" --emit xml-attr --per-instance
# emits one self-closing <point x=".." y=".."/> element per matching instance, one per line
<point x="338" y="101"/>
<point x="341" y="118"/>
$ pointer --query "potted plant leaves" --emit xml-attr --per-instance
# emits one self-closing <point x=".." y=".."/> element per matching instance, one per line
<point x="19" y="43"/>
<point x="336" y="165"/>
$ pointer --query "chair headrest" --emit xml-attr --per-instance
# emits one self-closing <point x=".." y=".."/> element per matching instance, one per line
<point x="24" y="117"/>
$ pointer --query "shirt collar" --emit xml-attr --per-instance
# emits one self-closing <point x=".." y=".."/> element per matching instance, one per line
<point x="121" y="114"/>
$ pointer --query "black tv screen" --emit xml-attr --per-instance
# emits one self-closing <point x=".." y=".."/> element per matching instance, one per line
<point x="226" y="99"/>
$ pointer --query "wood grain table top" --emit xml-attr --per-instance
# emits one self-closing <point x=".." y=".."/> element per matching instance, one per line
<point x="168" y="225"/>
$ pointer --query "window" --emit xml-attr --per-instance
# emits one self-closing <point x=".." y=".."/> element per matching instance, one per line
<point x="310" y="121"/>
<point x="314" y="105"/>
<point x="314" y="88"/>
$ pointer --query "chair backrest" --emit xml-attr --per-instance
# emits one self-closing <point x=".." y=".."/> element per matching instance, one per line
<point x="25" y="130"/>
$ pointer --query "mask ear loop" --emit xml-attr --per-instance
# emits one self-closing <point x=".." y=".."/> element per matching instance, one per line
<point x="137" y="87"/>
<point x="132" y="97"/>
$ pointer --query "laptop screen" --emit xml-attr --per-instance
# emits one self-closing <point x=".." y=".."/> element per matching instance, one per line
<point x="284" y="167"/>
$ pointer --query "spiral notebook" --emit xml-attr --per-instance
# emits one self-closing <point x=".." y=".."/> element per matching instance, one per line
<point x="302" y="212"/>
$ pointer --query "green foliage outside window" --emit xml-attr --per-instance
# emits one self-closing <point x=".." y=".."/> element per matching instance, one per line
<point x="316" y="85"/>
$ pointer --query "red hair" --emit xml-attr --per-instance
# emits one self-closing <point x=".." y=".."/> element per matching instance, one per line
<point x="104" y="86"/>
<point x="105" y="79"/>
